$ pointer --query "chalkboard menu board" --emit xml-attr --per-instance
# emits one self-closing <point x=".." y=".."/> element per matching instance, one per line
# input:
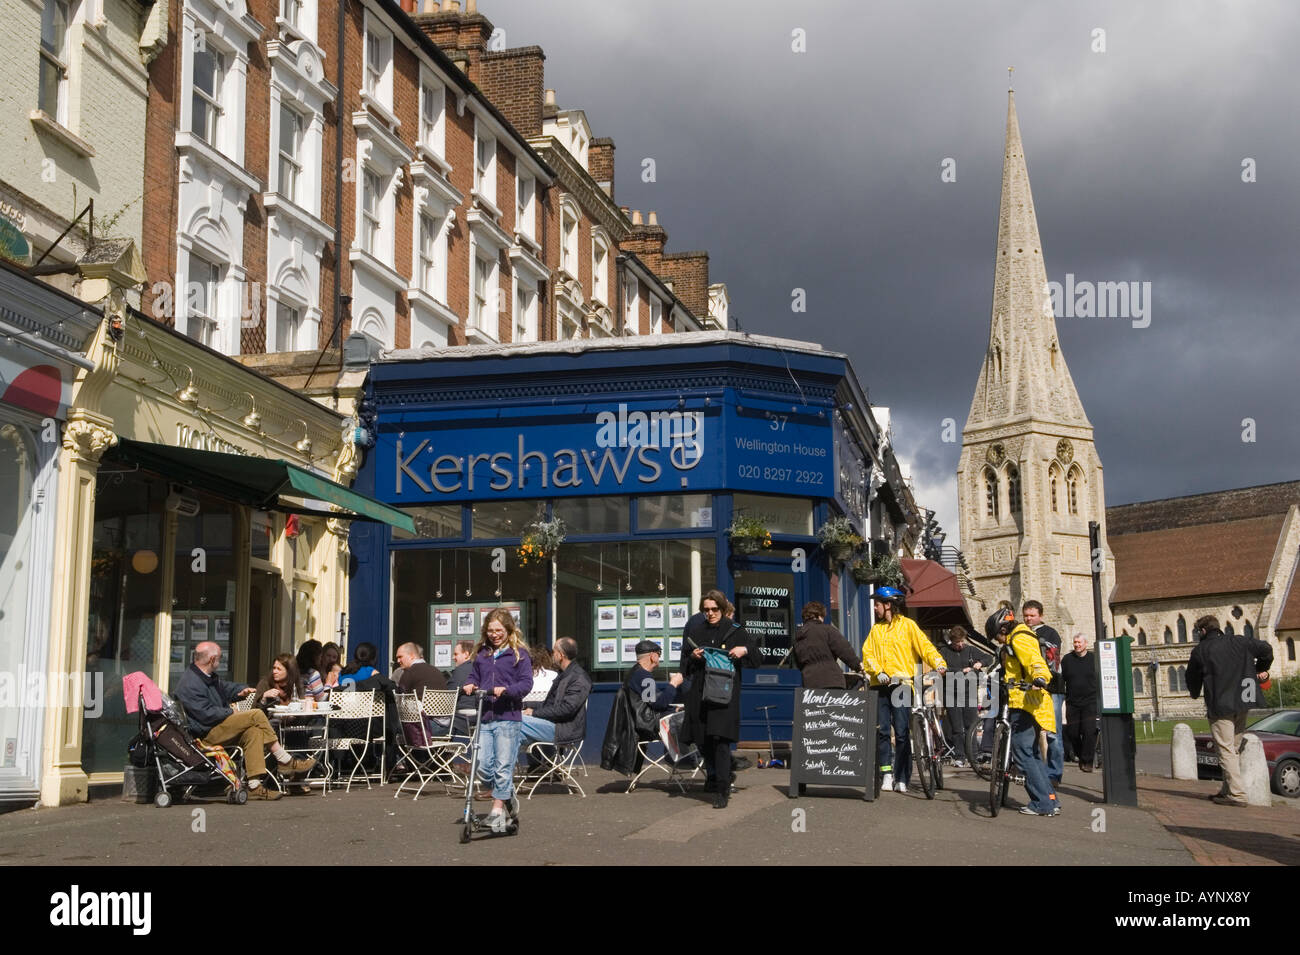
<point x="834" y="740"/>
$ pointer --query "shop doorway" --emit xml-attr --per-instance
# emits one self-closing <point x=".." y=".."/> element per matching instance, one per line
<point x="769" y="598"/>
<point x="263" y="613"/>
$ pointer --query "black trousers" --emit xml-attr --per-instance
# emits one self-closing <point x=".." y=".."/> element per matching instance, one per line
<point x="1081" y="731"/>
<point x="717" y="758"/>
<point x="956" y="719"/>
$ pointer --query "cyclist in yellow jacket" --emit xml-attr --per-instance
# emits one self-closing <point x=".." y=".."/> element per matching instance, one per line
<point x="1029" y="710"/>
<point x="894" y="649"/>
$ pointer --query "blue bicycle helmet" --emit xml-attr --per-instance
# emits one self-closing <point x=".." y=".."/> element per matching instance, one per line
<point x="888" y="595"/>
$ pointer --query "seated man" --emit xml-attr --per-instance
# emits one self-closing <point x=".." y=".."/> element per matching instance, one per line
<point x="417" y="675"/>
<point x="462" y="655"/>
<point x="209" y="707"/>
<point x="642" y="683"/>
<point x="562" y="717"/>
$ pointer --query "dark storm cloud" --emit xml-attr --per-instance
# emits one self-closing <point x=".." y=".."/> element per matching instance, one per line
<point x="821" y="171"/>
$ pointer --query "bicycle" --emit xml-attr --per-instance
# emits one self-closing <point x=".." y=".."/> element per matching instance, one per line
<point x="929" y="747"/>
<point x="1000" y="775"/>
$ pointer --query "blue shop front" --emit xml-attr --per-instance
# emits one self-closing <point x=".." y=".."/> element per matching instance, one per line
<point x="647" y="450"/>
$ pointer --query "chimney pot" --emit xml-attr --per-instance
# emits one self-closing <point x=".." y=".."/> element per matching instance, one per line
<point x="654" y="218"/>
<point x="471" y="6"/>
<point x="550" y="97"/>
<point x="636" y="217"/>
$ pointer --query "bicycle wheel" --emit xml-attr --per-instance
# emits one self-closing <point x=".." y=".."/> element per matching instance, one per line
<point x="998" y="769"/>
<point x="921" y="753"/>
<point x="974" y="737"/>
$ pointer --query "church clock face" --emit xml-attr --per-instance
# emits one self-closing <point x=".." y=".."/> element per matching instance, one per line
<point x="996" y="455"/>
<point x="1065" y="451"/>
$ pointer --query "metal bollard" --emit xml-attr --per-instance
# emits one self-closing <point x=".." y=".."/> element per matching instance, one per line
<point x="1182" y="752"/>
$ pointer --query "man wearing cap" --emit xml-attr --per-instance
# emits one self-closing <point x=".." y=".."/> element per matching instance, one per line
<point x="642" y="683"/>
<point x="894" y="649"/>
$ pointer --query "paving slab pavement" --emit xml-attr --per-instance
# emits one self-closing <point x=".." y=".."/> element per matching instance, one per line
<point x="653" y="825"/>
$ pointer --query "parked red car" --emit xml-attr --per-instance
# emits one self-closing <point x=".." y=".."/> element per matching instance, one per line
<point x="1280" y="734"/>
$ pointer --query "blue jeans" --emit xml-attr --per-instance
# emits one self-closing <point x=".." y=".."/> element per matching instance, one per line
<point x="498" y="745"/>
<point x="536" y="730"/>
<point x="1056" y="744"/>
<point x="1024" y="749"/>
<point x="900" y="718"/>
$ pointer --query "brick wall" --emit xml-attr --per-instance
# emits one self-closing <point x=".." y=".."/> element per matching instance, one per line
<point x="600" y="163"/>
<point x="513" y="81"/>
<point x="689" y="273"/>
<point x="158" y="241"/>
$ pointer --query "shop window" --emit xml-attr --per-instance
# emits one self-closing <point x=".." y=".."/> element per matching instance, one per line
<point x="782" y="515"/>
<point x="441" y="596"/>
<point x="609" y="596"/>
<point x="436" y="522"/>
<point x="664" y="512"/>
<point x="494" y="520"/>
<point x="125" y="598"/>
<point x="593" y="515"/>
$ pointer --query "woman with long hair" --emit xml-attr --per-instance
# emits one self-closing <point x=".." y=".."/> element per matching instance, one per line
<point x="544" y="674"/>
<point x="309" y="666"/>
<point x="330" y="667"/>
<point x="504" y="671"/>
<point x="281" y="685"/>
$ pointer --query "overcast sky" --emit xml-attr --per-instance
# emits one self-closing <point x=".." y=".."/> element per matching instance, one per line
<point x="821" y="170"/>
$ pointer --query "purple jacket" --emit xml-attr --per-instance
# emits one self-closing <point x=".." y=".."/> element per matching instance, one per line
<point x="490" y="671"/>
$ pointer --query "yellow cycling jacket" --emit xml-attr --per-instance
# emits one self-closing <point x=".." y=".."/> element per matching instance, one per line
<point x="1024" y="661"/>
<point x="896" y="648"/>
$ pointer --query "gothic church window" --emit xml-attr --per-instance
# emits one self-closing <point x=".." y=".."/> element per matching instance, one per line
<point x="1142" y="638"/>
<point x="1182" y="629"/>
<point x="991" y="495"/>
<point x="1248" y="630"/>
<point x="1137" y="681"/>
<point x="1053" y="481"/>
<point x="1013" y="489"/>
<point x="1072" y="483"/>
<point x="1169" y="635"/>
<point x="1290" y="648"/>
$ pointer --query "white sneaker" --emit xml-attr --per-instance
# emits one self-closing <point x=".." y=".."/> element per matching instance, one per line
<point x="496" y="820"/>
<point x="900" y="787"/>
<point x="887" y="783"/>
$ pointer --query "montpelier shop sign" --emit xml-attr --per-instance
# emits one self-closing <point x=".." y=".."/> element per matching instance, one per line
<point x="627" y="447"/>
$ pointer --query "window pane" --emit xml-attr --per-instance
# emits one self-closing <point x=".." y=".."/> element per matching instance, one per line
<point x="782" y="515"/>
<point x="435" y="522"/>
<point x="290" y="131"/>
<point x="593" y="515"/>
<point x="674" y="511"/>
<point x="497" y="519"/>
<point x="48" y="96"/>
<point x="286" y="328"/>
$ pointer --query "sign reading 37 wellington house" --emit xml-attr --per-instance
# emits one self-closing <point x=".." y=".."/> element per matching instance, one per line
<point x="643" y="446"/>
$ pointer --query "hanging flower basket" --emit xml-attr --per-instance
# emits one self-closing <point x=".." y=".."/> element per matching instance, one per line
<point x="541" y="541"/>
<point x="838" y="539"/>
<point x="749" y="535"/>
<point x="886" y="571"/>
<point x="861" y="571"/>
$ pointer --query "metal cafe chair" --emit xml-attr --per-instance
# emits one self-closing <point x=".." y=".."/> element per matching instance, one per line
<point x="430" y="756"/>
<point x="556" y="762"/>
<point x="358" y="706"/>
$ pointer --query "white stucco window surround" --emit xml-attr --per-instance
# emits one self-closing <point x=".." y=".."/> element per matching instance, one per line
<point x="435" y="201"/>
<point x="375" y="283"/>
<point x="297" y="19"/>
<point x="524" y="306"/>
<point x="485" y="170"/>
<point x="656" y="316"/>
<point x="431" y="143"/>
<point x="212" y="98"/>
<point x="377" y="70"/>
<point x="294" y="284"/>
<point x="600" y="262"/>
<point x="631" y="305"/>
<point x="298" y="84"/>
<point x="487" y="241"/>
<point x="569" y="218"/>
<point x="213" y="296"/>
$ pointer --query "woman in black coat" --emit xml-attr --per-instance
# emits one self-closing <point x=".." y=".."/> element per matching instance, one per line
<point x="817" y="648"/>
<point x="713" y="728"/>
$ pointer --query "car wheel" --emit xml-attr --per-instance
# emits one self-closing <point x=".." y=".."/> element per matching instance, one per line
<point x="1286" y="778"/>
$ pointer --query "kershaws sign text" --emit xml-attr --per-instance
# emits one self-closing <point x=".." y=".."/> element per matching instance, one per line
<point x="644" y="446"/>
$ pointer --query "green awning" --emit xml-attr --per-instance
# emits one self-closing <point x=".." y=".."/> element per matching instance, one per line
<point x="261" y="483"/>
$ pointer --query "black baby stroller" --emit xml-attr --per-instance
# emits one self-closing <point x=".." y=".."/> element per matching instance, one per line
<point x="184" y="766"/>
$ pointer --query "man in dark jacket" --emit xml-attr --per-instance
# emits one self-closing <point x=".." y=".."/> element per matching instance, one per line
<point x="562" y="717"/>
<point x="1049" y="644"/>
<point x="417" y="674"/>
<point x="714" y="727"/>
<point x="209" y="708"/>
<point x="1230" y="668"/>
<point x="819" y="649"/>
<point x="1079" y="678"/>
<point x="961" y="686"/>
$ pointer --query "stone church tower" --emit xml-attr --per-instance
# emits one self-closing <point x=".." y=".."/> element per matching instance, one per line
<point x="1029" y="479"/>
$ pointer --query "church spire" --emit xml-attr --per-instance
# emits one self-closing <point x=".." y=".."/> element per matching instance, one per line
<point x="1024" y="373"/>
